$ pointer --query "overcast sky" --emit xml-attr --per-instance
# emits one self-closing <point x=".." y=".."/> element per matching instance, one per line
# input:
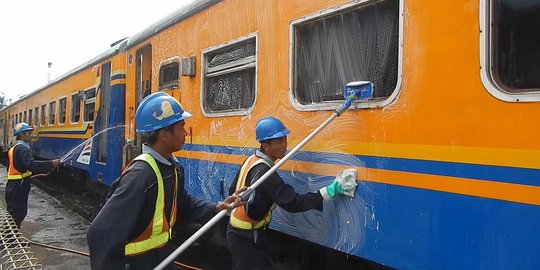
<point x="66" y="33"/>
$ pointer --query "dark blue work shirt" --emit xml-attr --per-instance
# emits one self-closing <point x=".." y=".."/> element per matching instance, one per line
<point x="130" y="208"/>
<point x="24" y="161"/>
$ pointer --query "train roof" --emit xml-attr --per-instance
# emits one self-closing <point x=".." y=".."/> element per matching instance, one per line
<point x="126" y="43"/>
<point x="171" y="19"/>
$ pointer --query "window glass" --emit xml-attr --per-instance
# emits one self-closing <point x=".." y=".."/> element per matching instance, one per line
<point x="356" y="44"/>
<point x="52" y="112"/>
<point x="24" y="117"/>
<point x="42" y="122"/>
<point x="75" y="108"/>
<point x="515" y="45"/>
<point x="62" y="110"/>
<point x="89" y="104"/>
<point x="230" y="71"/>
<point x="168" y="75"/>
<point x="36" y="114"/>
<point x="30" y="117"/>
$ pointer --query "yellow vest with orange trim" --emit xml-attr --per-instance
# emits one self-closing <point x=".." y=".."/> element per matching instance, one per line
<point x="13" y="174"/>
<point x="159" y="231"/>
<point x="239" y="218"/>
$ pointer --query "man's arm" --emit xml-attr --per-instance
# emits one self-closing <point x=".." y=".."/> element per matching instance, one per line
<point x="287" y="198"/>
<point x="25" y="161"/>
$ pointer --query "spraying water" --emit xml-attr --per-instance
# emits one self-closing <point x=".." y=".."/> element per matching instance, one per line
<point x="70" y="152"/>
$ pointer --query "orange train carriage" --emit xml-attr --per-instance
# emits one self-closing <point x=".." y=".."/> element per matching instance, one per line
<point x="447" y="151"/>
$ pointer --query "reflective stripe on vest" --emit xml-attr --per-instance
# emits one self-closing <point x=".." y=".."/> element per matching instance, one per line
<point x="239" y="218"/>
<point x="13" y="174"/>
<point x="158" y="231"/>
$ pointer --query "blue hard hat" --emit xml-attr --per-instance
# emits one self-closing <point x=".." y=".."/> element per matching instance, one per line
<point x="157" y="111"/>
<point x="270" y="128"/>
<point x="21" y="127"/>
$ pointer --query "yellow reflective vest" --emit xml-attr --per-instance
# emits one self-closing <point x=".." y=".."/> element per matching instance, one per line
<point x="239" y="218"/>
<point x="159" y="231"/>
<point x="13" y="174"/>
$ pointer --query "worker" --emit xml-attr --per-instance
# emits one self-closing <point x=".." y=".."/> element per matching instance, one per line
<point x="247" y="232"/>
<point x="21" y="166"/>
<point x="133" y="229"/>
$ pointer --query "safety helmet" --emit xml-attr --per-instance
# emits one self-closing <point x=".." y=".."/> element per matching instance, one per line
<point x="157" y="111"/>
<point x="21" y="127"/>
<point x="270" y="128"/>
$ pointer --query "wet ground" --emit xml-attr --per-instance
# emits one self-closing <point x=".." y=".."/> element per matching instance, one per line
<point x="59" y="214"/>
<point x="49" y="222"/>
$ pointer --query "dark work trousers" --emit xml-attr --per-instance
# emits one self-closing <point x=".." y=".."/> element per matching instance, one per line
<point x="246" y="255"/>
<point x="17" y="199"/>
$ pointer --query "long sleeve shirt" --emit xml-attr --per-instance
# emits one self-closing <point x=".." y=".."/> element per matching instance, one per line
<point x="24" y="161"/>
<point x="274" y="190"/>
<point x="130" y="207"/>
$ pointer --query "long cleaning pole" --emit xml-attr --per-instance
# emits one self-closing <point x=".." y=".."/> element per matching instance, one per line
<point x="354" y="91"/>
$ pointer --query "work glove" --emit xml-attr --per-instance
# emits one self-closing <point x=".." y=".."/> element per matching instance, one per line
<point x="344" y="183"/>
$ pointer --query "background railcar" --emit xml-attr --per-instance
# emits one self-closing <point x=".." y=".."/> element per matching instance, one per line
<point x="69" y="110"/>
<point x="448" y="160"/>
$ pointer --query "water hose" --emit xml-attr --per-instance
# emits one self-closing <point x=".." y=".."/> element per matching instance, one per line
<point x="189" y="267"/>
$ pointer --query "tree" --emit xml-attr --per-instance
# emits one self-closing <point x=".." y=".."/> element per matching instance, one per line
<point x="3" y="101"/>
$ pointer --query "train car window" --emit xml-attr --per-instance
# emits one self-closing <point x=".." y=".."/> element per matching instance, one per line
<point x="16" y="118"/>
<point x="229" y="72"/>
<point x="168" y="74"/>
<point x="89" y="104"/>
<point x="62" y="108"/>
<point x="510" y="57"/>
<point x="20" y="117"/>
<point x="24" y="117"/>
<point x="42" y="114"/>
<point x="52" y="112"/>
<point x="36" y="114"/>
<point x="75" y="108"/>
<point x="42" y="119"/>
<point x="30" y="117"/>
<point x="355" y="43"/>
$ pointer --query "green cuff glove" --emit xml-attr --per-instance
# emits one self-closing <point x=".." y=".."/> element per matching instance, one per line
<point x="345" y="184"/>
<point x="331" y="190"/>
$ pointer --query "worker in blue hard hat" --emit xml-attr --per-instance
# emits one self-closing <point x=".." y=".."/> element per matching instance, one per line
<point x="21" y="165"/>
<point x="247" y="233"/>
<point x="133" y="228"/>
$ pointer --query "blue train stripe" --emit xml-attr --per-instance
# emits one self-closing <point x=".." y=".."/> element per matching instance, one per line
<point x="523" y="176"/>
<point x="118" y="76"/>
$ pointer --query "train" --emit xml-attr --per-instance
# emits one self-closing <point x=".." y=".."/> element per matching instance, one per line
<point x="447" y="150"/>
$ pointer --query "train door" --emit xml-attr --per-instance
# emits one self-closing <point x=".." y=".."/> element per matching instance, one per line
<point x="104" y="110"/>
<point x="106" y="163"/>
<point x="144" y="79"/>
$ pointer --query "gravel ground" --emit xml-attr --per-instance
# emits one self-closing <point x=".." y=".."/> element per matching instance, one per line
<point x="49" y="222"/>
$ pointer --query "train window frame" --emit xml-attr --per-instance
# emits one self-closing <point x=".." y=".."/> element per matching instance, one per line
<point x="25" y="116"/>
<point x="163" y="66"/>
<point x="30" y="115"/>
<point x="496" y="89"/>
<point x="334" y="104"/>
<point x="88" y="101"/>
<point x="242" y="64"/>
<point x="52" y="113"/>
<point x="36" y="116"/>
<point x="60" y="110"/>
<point x="42" y="119"/>
<point x="71" y="112"/>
